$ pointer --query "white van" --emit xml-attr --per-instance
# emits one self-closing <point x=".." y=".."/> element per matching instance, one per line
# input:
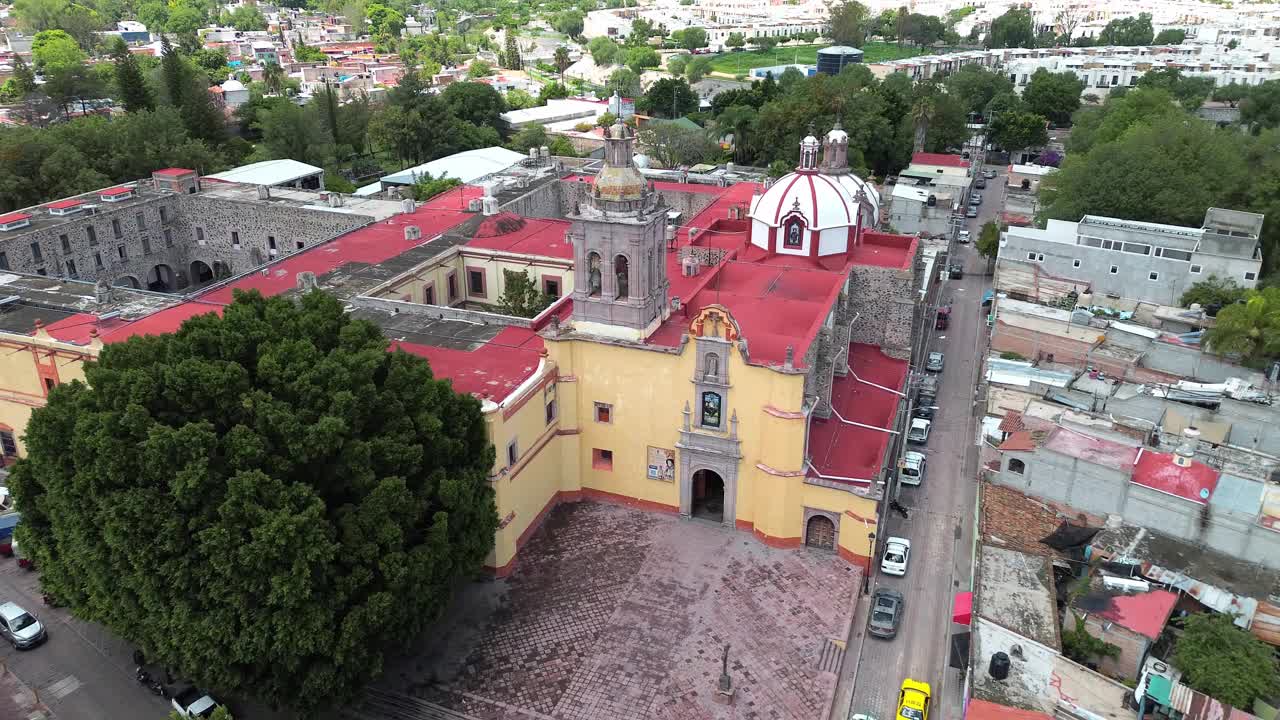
<point x="911" y="469"/>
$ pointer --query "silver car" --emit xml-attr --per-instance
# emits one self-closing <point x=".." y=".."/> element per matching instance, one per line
<point x="886" y="613"/>
<point x="20" y="627"/>
<point x="935" y="360"/>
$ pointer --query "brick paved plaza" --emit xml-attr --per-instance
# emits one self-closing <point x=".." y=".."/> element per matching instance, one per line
<point x="620" y="613"/>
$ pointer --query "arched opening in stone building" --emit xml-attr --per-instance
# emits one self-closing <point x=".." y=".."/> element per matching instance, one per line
<point x="128" y="281"/>
<point x="201" y="273"/>
<point x="161" y="279"/>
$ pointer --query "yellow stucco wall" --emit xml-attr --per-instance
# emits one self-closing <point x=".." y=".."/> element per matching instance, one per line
<point x="22" y="388"/>
<point x="493" y="266"/>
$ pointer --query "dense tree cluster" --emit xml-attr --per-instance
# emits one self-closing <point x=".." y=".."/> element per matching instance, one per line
<point x="1143" y="156"/>
<point x="1226" y="662"/>
<point x="266" y="501"/>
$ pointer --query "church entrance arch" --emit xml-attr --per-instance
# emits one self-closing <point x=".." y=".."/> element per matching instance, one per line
<point x="708" y="496"/>
<point x="820" y="533"/>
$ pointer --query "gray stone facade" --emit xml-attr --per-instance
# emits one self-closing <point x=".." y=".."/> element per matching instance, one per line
<point x="883" y="301"/>
<point x="165" y="241"/>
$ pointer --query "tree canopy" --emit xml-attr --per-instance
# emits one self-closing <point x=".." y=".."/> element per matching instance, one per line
<point x="1250" y="329"/>
<point x="1224" y="662"/>
<point x="1143" y="157"/>
<point x="1053" y="95"/>
<point x="266" y="501"/>
<point x="849" y="21"/>
<point x="1013" y="29"/>
<point x="1128" y="31"/>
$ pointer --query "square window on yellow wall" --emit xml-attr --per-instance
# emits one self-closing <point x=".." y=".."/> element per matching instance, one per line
<point x="604" y="413"/>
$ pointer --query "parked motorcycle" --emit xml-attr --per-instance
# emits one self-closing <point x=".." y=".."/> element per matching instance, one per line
<point x="155" y="686"/>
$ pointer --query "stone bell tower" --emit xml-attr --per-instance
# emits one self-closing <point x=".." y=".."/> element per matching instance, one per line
<point x="620" y="269"/>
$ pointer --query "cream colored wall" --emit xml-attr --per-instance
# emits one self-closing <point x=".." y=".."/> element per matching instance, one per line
<point x="21" y="387"/>
<point x="495" y="282"/>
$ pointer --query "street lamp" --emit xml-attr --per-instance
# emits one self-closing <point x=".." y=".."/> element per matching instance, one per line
<point x="871" y="551"/>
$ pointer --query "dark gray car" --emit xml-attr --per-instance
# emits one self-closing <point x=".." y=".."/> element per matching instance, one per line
<point x="886" y="613"/>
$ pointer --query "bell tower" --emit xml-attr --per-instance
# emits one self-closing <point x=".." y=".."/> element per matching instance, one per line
<point x="620" y="269"/>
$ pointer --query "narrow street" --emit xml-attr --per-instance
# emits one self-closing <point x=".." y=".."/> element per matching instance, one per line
<point x="940" y="522"/>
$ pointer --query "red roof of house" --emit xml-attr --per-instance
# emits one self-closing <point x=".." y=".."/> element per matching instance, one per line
<point x="1091" y="449"/>
<point x="64" y="204"/>
<point x="1019" y="440"/>
<point x="513" y="233"/>
<point x="1158" y="471"/>
<point x="940" y="159"/>
<point x="112" y="192"/>
<point x="14" y="217"/>
<point x="986" y="710"/>
<point x="173" y="172"/>
<point x="1144" y="613"/>
<point x="848" y="451"/>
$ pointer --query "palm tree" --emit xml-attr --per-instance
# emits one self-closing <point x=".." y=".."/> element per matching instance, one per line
<point x="921" y="114"/>
<point x="562" y="59"/>
<point x="739" y="120"/>
<point x="273" y="77"/>
<point x="1251" y="328"/>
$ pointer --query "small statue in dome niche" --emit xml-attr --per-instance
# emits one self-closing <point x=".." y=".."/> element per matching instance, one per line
<point x="593" y="276"/>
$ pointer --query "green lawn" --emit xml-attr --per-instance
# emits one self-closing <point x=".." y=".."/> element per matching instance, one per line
<point x="734" y="63"/>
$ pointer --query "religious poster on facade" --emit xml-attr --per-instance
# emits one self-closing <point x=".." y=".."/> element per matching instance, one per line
<point x="711" y="409"/>
<point x="662" y="464"/>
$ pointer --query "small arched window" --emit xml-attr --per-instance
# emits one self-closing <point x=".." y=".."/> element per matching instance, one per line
<point x="593" y="275"/>
<point x="622" y="279"/>
<point x="1017" y="467"/>
<point x="711" y="366"/>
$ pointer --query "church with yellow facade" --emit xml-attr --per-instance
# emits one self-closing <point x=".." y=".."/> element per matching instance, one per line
<point x="733" y="353"/>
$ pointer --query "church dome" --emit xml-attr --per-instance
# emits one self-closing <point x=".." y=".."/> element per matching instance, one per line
<point x="813" y="211"/>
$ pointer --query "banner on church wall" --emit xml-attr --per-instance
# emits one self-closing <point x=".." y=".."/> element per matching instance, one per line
<point x="662" y="464"/>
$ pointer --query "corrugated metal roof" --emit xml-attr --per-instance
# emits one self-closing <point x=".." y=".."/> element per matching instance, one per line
<point x="1212" y="597"/>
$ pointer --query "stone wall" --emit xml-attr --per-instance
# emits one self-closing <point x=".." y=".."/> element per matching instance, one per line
<point x="254" y="225"/>
<point x="140" y="246"/>
<point x="148" y="250"/>
<point x="542" y="202"/>
<point x="883" y="299"/>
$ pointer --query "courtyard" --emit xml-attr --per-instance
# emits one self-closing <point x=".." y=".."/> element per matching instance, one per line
<point x="620" y="613"/>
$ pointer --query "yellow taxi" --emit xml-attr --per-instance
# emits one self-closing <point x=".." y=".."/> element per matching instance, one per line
<point x="913" y="700"/>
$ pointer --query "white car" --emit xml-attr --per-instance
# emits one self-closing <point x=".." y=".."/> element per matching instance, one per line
<point x="964" y="237"/>
<point x="911" y="471"/>
<point x="918" y="433"/>
<point x="896" y="554"/>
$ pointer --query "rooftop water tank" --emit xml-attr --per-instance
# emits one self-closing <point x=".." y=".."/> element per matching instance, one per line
<point x="833" y="59"/>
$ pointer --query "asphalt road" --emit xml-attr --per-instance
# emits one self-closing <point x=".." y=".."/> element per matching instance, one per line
<point x="940" y="523"/>
<point x="81" y="672"/>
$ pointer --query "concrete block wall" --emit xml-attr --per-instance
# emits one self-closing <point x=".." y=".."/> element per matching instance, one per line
<point x="1101" y="491"/>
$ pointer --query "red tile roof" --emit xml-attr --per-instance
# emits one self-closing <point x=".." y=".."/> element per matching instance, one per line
<point x="111" y="192"/>
<point x="173" y="172"/>
<point x="1158" y="471"/>
<point x="1020" y="440"/>
<point x="848" y="451"/>
<point x="509" y="232"/>
<point x="14" y="217"/>
<point x="64" y="204"/>
<point x="1144" y="613"/>
<point x="985" y="710"/>
<point x="941" y="159"/>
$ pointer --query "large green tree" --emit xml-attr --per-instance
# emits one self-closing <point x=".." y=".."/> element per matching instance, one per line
<point x="669" y="98"/>
<point x="135" y="95"/>
<point x="1054" y="95"/>
<point x="849" y="21"/>
<point x="266" y="501"/>
<point x="1225" y="662"/>
<point x="674" y="145"/>
<point x="1013" y="29"/>
<point x="1016" y="131"/>
<point x="976" y="86"/>
<point x="1250" y="329"/>
<point x="1128" y="31"/>
<point x="1260" y="107"/>
<point x="1190" y="92"/>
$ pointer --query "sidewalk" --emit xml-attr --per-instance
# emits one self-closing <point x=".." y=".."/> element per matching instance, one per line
<point x="843" y="698"/>
<point x="18" y="701"/>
